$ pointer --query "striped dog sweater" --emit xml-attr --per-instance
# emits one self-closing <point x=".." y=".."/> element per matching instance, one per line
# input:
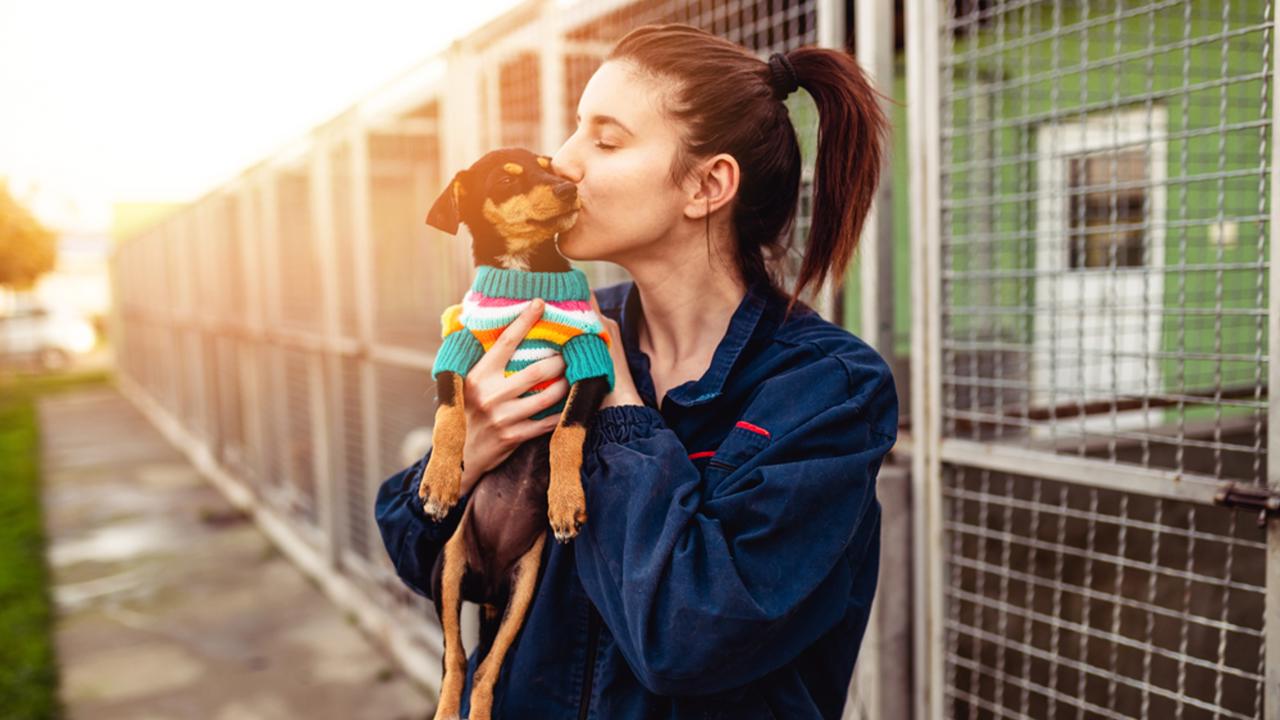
<point x="568" y="326"/>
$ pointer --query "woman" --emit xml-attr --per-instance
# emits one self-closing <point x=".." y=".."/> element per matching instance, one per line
<point x="730" y="553"/>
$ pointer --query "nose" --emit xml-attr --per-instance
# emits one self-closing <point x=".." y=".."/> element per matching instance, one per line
<point x="565" y="191"/>
<point x="564" y="163"/>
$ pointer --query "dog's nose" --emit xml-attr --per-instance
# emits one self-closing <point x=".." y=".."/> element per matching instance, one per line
<point x="565" y="191"/>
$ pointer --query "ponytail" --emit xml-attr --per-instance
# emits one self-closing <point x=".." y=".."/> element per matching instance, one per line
<point x="852" y="131"/>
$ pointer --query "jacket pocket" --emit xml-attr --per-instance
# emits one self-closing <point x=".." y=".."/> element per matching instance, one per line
<point x="743" y="442"/>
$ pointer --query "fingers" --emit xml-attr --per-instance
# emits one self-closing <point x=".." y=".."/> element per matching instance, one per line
<point x="541" y="371"/>
<point x="500" y="354"/>
<point x="525" y="407"/>
<point x="529" y="429"/>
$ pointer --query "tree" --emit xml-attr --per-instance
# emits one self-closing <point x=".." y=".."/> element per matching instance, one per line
<point x="27" y="249"/>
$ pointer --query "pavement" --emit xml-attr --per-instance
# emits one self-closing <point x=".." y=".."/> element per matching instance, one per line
<point x="172" y="604"/>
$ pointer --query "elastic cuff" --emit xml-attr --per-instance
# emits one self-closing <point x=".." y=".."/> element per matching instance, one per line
<point x="587" y="356"/>
<point x="459" y="352"/>
<point x="622" y="424"/>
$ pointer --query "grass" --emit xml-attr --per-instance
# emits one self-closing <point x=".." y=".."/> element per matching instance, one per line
<point x="28" y="663"/>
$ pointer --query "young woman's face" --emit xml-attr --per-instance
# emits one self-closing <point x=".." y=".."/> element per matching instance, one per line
<point x="620" y="157"/>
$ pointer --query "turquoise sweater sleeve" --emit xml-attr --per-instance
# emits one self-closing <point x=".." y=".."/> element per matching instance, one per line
<point x="459" y="352"/>
<point x="587" y="356"/>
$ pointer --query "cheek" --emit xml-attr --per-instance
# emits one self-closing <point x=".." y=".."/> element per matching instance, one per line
<point x="629" y="202"/>
<point x="632" y="191"/>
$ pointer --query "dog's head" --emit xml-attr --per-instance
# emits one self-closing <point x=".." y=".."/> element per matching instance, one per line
<point x="512" y="202"/>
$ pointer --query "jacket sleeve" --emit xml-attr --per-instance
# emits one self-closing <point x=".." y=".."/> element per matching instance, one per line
<point x="708" y="586"/>
<point x="412" y="539"/>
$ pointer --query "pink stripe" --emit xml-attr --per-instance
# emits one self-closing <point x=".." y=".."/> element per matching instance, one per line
<point x="486" y="301"/>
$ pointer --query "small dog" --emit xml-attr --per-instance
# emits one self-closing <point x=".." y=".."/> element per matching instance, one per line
<point x="514" y="206"/>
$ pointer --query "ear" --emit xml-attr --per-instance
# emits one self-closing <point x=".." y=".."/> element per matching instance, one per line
<point x="717" y="183"/>
<point x="446" y="212"/>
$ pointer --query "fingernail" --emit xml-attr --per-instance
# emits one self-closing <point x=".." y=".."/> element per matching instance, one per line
<point x="536" y="304"/>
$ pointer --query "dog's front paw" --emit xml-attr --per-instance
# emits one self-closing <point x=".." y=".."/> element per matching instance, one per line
<point x="566" y="508"/>
<point x="439" y="487"/>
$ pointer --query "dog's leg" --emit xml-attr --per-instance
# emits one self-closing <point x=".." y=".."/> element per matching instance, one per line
<point x="443" y="476"/>
<point x="524" y="580"/>
<point x="450" y="609"/>
<point x="566" y="503"/>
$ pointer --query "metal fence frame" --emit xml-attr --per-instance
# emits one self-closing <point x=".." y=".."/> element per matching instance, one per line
<point x="934" y="450"/>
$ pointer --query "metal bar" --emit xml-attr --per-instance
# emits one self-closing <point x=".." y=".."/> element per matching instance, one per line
<point x="1155" y="482"/>
<point x="551" y="80"/>
<point x="874" y="29"/>
<point x="882" y="688"/>
<point x="925" y="156"/>
<point x="324" y="381"/>
<point x="1271" y="618"/>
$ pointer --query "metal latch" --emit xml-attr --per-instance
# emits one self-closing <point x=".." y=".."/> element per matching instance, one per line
<point x="1250" y="497"/>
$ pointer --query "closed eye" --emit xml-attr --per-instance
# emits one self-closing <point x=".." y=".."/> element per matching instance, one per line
<point x="605" y="146"/>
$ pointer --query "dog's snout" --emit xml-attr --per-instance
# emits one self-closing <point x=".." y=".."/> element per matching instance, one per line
<point x="565" y="191"/>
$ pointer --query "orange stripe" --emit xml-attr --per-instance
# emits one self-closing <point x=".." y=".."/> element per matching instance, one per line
<point x="544" y="330"/>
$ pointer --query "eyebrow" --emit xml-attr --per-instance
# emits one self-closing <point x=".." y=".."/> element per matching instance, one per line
<point x="606" y="120"/>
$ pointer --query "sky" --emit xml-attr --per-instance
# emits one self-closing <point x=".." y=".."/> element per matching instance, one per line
<point x="163" y="100"/>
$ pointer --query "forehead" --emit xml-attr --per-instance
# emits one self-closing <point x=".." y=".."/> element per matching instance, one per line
<point x="619" y="89"/>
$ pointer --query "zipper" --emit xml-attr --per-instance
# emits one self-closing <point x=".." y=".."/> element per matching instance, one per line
<point x="593" y="638"/>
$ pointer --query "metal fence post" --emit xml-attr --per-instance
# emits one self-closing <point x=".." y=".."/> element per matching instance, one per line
<point x="324" y="375"/>
<point x="892" y="620"/>
<point x="1271" y="618"/>
<point x="923" y="126"/>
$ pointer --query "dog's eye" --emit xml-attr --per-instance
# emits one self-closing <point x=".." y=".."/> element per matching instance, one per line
<point x="506" y="180"/>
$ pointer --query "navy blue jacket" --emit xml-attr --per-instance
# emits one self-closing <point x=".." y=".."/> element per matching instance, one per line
<point x="732" y="542"/>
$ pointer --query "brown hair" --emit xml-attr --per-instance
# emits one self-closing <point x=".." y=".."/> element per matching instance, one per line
<point x="726" y="101"/>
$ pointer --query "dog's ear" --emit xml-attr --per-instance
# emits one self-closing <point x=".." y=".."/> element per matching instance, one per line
<point x="447" y="210"/>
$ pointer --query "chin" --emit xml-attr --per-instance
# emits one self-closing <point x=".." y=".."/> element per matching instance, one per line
<point x="571" y="246"/>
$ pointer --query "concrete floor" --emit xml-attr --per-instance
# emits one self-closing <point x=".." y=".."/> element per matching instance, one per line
<point x="171" y="604"/>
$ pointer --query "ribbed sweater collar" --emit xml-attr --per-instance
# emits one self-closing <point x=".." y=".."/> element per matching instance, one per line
<point x="524" y="285"/>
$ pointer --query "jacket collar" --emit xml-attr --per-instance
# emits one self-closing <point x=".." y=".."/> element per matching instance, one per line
<point x="745" y="324"/>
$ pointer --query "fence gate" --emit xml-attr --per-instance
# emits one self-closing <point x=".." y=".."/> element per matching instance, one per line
<point x="1093" y="358"/>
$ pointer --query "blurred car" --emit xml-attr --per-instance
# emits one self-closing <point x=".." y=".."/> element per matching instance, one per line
<point x="42" y="336"/>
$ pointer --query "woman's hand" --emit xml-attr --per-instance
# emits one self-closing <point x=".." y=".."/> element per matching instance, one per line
<point x="497" y="417"/>
<point x="624" y="386"/>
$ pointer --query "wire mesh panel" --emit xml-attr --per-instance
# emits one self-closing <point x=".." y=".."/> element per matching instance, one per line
<point x="1065" y="601"/>
<point x="297" y="255"/>
<point x="230" y="404"/>
<point x="356" y="485"/>
<point x="519" y="104"/>
<point x="341" y="193"/>
<point x="403" y="175"/>
<point x="1104" y="203"/>
<point x="298" y="449"/>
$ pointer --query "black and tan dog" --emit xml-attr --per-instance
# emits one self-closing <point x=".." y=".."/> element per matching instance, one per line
<point x="514" y="206"/>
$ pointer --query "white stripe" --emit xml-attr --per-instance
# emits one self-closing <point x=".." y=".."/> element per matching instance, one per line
<point x="533" y="354"/>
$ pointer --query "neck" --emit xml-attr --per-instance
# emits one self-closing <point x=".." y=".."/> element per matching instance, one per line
<point x="542" y="257"/>
<point x="687" y="307"/>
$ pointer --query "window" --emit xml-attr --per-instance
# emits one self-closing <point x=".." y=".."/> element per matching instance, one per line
<point x="1108" y="199"/>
